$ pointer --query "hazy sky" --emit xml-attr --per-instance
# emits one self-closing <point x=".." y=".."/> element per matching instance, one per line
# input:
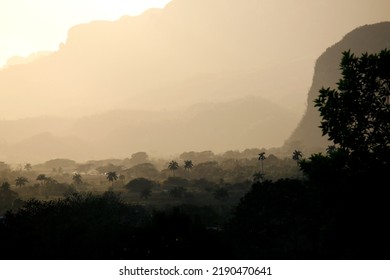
<point x="28" y="26"/>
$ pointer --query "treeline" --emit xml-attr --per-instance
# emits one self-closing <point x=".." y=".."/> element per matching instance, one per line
<point x="232" y="166"/>
<point x="182" y="177"/>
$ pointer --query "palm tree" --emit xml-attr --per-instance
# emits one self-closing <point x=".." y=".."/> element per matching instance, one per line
<point x="262" y="158"/>
<point x="188" y="166"/>
<point x="173" y="165"/>
<point x="111" y="177"/>
<point x="21" y="181"/>
<point x="297" y="156"/>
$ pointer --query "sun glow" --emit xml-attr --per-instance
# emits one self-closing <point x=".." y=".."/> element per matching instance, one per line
<point x="29" y="26"/>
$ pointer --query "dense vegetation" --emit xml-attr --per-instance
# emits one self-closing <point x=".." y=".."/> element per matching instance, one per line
<point x="240" y="205"/>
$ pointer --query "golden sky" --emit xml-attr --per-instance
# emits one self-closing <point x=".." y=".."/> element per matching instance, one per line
<point x="28" y="26"/>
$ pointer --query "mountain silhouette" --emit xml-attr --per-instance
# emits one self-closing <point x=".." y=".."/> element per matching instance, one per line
<point x="368" y="38"/>
<point x="158" y="59"/>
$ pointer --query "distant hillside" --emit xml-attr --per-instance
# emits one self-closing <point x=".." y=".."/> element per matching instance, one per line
<point x="369" y="38"/>
<point x="219" y="126"/>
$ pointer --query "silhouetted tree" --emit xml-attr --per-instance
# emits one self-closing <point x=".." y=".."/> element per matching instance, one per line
<point x="331" y="149"/>
<point x="297" y="156"/>
<point x="139" y="185"/>
<point x="139" y="158"/>
<point x="173" y="165"/>
<point x="262" y="158"/>
<point x="21" y="181"/>
<point x="350" y="180"/>
<point x="188" y="166"/>
<point x="356" y="115"/>
<point x="111" y="177"/>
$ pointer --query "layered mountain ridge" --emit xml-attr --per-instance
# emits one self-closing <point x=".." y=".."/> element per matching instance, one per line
<point x="233" y="125"/>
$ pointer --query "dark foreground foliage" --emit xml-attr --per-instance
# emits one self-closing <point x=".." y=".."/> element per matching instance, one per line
<point x="343" y="216"/>
<point x="103" y="227"/>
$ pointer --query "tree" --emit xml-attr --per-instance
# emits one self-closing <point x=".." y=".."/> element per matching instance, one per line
<point x="188" y="166"/>
<point x="139" y="158"/>
<point x="111" y="177"/>
<point x="262" y="158"/>
<point x="41" y="178"/>
<point x="297" y="156"/>
<point x="146" y="170"/>
<point x="28" y="166"/>
<point x="331" y="149"/>
<point x="139" y="185"/>
<point x="49" y="181"/>
<point x="77" y="179"/>
<point x="356" y="115"/>
<point x="21" y="181"/>
<point x="173" y="165"/>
